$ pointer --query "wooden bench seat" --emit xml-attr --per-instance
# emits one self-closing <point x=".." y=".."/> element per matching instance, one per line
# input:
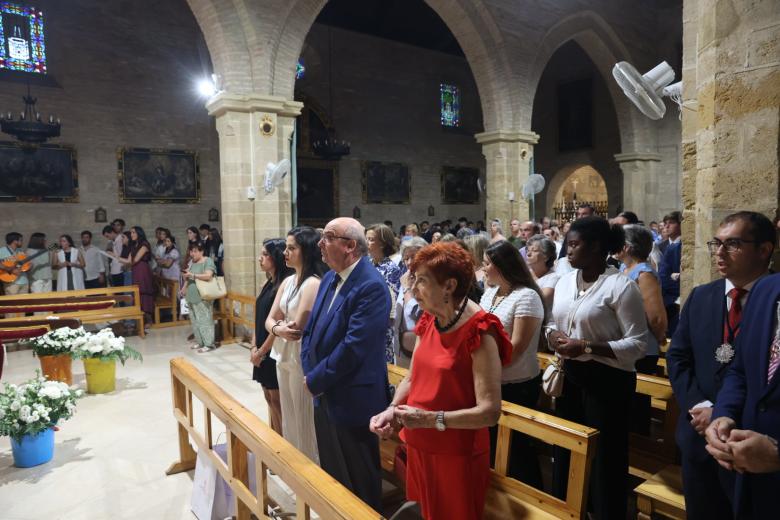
<point x="508" y="498"/>
<point x="661" y="494"/>
<point x="86" y="302"/>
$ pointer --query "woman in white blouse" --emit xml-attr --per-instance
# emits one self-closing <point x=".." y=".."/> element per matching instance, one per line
<point x="406" y="305"/>
<point x="541" y="260"/>
<point x="512" y="295"/>
<point x="598" y="327"/>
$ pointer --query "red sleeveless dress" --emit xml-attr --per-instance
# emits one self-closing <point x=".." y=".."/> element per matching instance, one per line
<point x="448" y="472"/>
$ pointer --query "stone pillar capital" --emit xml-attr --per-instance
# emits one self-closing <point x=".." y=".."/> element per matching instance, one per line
<point x="637" y="156"/>
<point x="225" y="102"/>
<point x="507" y="136"/>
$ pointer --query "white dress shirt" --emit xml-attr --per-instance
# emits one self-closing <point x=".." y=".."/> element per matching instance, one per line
<point x="93" y="262"/>
<point x="610" y="311"/>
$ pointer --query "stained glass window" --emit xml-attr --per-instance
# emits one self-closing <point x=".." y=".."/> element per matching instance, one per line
<point x="450" y="105"/>
<point x="300" y="69"/>
<point x="21" y="38"/>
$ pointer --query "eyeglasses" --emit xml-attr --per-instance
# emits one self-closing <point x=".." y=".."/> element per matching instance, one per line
<point x="732" y="245"/>
<point x="330" y="237"/>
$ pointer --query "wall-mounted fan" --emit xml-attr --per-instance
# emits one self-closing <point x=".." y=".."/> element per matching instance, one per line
<point x="275" y="174"/>
<point x="646" y="91"/>
<point x="532" y="186"/>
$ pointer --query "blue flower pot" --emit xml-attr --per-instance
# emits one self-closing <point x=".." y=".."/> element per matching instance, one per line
<point x="33" y="450"/>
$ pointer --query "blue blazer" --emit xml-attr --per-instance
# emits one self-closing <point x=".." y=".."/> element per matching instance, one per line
<point x="343" y="349"/>
<point x="670" y="263"/>
<point x="694" y="372"/>
<point x="747" y="398"/>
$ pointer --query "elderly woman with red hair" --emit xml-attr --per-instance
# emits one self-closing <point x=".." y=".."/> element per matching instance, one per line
<point x="453" y="391"/>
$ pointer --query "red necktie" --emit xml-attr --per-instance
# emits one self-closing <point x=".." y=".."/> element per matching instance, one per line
<point x="731" y="327"/>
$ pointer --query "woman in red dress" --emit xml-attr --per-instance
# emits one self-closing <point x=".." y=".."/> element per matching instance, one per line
<point x="453" y="391"/>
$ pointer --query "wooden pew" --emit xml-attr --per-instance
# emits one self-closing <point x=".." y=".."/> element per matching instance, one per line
<point x="166" y="298"/>
<point x="314" y="489"/>
<point x="662" y="495"/>
<point x="88" y="305"/>
<point x="13" y="330"/>
<point x="233" y="311"/>
<point x="508" y="498"/>
<point x="648" y="456"/>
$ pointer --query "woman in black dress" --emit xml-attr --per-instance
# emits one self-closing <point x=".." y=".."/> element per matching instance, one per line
<point x="271" y="262"/>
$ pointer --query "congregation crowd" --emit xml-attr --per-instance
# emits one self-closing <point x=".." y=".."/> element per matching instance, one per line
<point x="130" y="258"/>
<point x="466" y="309"/>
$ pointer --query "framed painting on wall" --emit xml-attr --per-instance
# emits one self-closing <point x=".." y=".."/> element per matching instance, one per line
<point x="149" y="175"/>
<point x="459" y="185"/>
<point x="48" y="173"/>
<point x="386" y="183"/>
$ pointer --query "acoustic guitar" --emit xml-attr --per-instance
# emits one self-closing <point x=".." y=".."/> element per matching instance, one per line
<point x="20" y="261"/>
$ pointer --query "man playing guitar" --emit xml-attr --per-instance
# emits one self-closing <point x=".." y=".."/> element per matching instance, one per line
<point x="13" y="247"/>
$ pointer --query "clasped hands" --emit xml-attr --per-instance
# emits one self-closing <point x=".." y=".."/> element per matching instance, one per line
<point x="288" y="330"/>
<point x="744" y="451"/>
<point x="390" y="421"/>
<point x="566" y="347"/>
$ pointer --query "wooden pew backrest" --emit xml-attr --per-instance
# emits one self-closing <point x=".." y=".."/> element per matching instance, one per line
<point x="246" y="433"/>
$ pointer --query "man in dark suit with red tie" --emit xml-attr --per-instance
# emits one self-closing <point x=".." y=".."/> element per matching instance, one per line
<point x="703" y="347"/>
<point x="745" y="429"/>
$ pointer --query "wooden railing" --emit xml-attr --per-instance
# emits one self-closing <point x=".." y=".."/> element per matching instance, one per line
<point x="510" y="498"/>
<point x="314" y="489"/>
<point x="82" y="304"/>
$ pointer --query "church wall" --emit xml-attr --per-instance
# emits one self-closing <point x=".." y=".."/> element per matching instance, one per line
<point x="386" y="103"/>
<point x="125" y="75"/>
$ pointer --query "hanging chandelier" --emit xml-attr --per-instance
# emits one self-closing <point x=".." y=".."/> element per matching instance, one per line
<point x="29" y="129"/>
<point x="331" y="148"/>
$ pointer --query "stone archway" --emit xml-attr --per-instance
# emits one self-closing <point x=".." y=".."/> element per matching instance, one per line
<point x="604" y="47"/>
<point x="576" y="183"/>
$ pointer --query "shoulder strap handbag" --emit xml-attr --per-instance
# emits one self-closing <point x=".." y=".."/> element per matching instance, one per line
<point x="213" y="289"/>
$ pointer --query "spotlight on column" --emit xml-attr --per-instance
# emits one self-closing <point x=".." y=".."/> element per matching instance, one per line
<point x="207" y="88"/>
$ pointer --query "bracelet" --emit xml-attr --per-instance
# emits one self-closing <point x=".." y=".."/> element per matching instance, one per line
<point x="273" y="330"/>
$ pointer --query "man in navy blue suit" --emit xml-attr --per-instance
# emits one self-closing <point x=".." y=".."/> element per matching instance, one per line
<point x="746" y="419"/>
<point x="669" y="271"/>
<point x="702" y="349"/>
<point x="343" y="357"/>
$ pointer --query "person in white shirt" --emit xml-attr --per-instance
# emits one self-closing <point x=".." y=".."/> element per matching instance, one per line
<point x="512" y="295"/>
<point x="94" y="269"/>
<point x="115" y="245"/>
<point x="541" y="255"/>
<point x="598" y="327"/>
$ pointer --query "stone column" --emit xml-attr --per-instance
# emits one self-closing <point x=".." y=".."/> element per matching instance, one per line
<point x="731" y="73"/>
<point x="640" y="183"/>
<point x="508" y="158"/>
<point x="253" y="131"/>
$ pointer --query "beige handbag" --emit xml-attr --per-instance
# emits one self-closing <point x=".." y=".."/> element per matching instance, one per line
<point x="552" y="379"/>
<point x="214" y="289"/>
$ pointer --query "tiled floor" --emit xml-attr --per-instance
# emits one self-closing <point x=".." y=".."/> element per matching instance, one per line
<point x="110" y="458"/>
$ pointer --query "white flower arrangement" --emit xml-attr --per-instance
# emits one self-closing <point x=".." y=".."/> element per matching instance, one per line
<point x="35" y="406"/>
<point x="103" y="345"/>
<point x="58" y="341"/>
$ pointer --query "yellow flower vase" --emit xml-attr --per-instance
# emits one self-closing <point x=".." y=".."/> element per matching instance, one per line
<point x="101" y="376"/>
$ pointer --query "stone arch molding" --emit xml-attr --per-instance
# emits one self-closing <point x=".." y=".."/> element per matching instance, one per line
<point x="605" y="48"/>
<point x="254" y="46"/>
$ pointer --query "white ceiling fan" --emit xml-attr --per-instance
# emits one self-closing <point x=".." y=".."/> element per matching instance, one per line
<point x="646" y="91"/>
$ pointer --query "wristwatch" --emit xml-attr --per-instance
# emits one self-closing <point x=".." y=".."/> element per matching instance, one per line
<point x="587" y="349"/>
<point x="440" y="421"/>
